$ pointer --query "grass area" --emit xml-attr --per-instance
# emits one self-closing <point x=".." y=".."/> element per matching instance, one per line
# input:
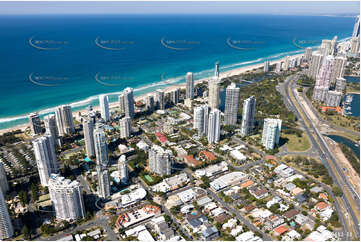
<point x="347" y="122"/>
<point x="353" y="87"/>
<point x="148" y="178"/>
<point x="295" y="143"/>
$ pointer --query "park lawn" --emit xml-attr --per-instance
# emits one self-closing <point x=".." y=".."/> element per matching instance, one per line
<point x="343" y="121"/>
<point x="296" y="143"/>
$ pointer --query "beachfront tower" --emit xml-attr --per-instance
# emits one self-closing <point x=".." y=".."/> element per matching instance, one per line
<point x="50" y="126"/>
<point x="64" y="120"/>
<point x="35" y="123"/>
<point x="271" y="133"/>
<point x="104" y="107"/>
<point x="128" y="102"/>
<point x="45" y="158"/>
<point x="356" y="27"/>
<point x="249" y="108"/>
<point x="214" y="126"/>
<point x="149" y="102"/>
<point x="198" y="119"/>
<point x="216" y="70"/>
<point x="174" y="96"/>
<point x="6" y="228"/>
<point x="316" y="62"/>
<point x="159" y="99"/>
<point x="308" y="54"/>
<point x="266" y="66"/>
<point x="66" y="197"/>
<point x="231" y="106"/>
<point x="189" y="86"/>
<point x="103" y="181"/>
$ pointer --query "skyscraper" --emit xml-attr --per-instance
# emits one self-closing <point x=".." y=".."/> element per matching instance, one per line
<point x="125" y="127"/>
<point x="6" y="228"/>
<point x="323" y="79"/>
<point x="338" y="69"/>
<point x="333" y="49"/>
<point x="66" y="197"/>
<point x="249" y="107"/>
<point x="121" y="102"/>
<point x="271" y="133"/>
<point x="174" y="96"/>
<point x="64" y="120"/>
<point x="326" y="47"/>
<point x="308" y="54"/>
<point x="340" y="84"/>
<point x="266" y="66"/>
<point x="286" y="63"/>
<point x="159" y="99"/>
<point x="355" y="45"/>
<point x="88" y="129"/>
<point x="190" y="85"/>
<point x="216" y="70"/>
<point x="103" y="181"/>
<point x="213" y="94"/>
<point x="104" y="107"/>
<point x="206" y="117"/>
<point x="45" y="158"/>
<point x="160" y="161"/>
<point x="214" y="126"/>
<point x="35" y="123"/>
<point x="356" y="27"/>
<point x="123" y="169"/>
<point x="128" y="99"/>
<point x="149" y="102"/>
<point x="4" y="185"/>
<point x="198" y="119"/>
<point x="316" y="62"/>
<point x="333" y="98"/>
<point x="101" y="147"/>
<point x="50" y="126"/>
<point x="231" y="106"/>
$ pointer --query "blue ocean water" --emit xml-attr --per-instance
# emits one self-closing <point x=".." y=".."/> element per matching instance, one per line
<point x="145" y="52"/>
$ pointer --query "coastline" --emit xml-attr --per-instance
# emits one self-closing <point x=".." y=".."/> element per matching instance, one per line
<point x="112" y="105"/>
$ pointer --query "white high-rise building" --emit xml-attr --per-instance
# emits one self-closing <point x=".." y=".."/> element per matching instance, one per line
<point x="340" y="84"/>
<point x="213" y="93"/>
<point x="278" y="67"/>
<point x="323" y="79"/>
<point x="45" y="158"/>
<point x="174" y="96"/>
<point x="316" y="62"/>
<point x="214" y="126"/>
<point x="231" y="106"/>
<point x="338" y="69"/>
<point x="326" y="47"/>
<point x="4" y="185"/>
<point x="159" y="99"/>
<point x="271" y="133"/>
<point x="333" y="46"/>
<point x="198" y="119"/>
<point x="6" y="227"/>
<point x="64" y="120"/>
<point x="149" y="102"/>
<point x="286" y="63"/>
<point x="35" y="123"/>
<point x="101" y="147"/>
<point x="127" y="100"/>
<point x="216" y="70"/>
<point x="333" y="99"/>
<point x="249" y="108"/>
<point x="125" y="127"/>
<point x="355" y="45"/>
<point x="160" y="161"/>
<point x="121" y="103"/>
<point x="189" y="86"/>
<point x="66" y="197"/>
<point x="266" y="66"/>
<point x="308" y="54"/>
<point x="88" y="129"/>
<point x="50" y="126"/>
<point x="103" y="181"/>
<point x="356" y="27"/>
<point x="123" y="169"/>
<point x="104" y="107"/>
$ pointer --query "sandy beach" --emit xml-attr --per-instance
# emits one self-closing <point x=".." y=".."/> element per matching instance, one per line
<point x="234" y="72"/>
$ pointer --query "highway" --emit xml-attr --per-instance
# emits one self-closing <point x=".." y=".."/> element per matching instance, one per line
<point x="350" y="198"/>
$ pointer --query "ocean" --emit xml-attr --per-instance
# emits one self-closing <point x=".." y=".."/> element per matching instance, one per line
<point x="49" y="60"/>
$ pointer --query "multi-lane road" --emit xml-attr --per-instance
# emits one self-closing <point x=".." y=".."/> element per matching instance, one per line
<point x="350" y="198"/>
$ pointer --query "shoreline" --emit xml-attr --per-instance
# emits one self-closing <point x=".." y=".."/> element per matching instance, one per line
<point x="112" y="105"/>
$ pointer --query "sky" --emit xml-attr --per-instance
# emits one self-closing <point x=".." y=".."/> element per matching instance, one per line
<point x="164" y="7"/>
